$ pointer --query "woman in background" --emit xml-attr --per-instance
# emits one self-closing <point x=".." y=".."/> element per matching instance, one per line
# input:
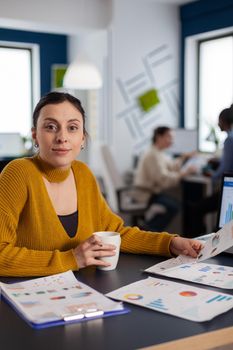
<point x="50" y="204"/>
<point x="225" y="123"/>
<point x="199" y="209"/>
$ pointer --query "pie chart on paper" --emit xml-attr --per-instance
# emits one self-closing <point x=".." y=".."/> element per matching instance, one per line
<point x="133" y="296"/>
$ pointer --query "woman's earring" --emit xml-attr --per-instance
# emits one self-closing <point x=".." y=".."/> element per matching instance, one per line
<point x="36" y="146"/>
<point x="82" y="147"/>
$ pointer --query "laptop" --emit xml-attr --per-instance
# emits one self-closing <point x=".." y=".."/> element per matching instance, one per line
<point x="225" y="212"/>
<point x="225" y="209"/>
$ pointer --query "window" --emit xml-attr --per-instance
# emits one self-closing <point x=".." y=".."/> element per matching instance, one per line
<point x="215" y="90"/>
<point x="19" y="86"/>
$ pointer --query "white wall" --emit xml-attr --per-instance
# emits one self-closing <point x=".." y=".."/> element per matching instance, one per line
<point x="94" y="47"/>
<point x="145" y="48"/>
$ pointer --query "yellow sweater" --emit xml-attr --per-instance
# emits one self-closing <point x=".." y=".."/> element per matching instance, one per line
<point x="33" y="241"/>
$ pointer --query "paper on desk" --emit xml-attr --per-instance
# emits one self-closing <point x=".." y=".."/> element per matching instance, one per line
<point x="52" y="298"/>
<point x="181" y="300"/>
<point x="190" y="269"/>
<point x="209" y="274"/>
<point x="215" y="244"/>
<point x="197" y="161"/>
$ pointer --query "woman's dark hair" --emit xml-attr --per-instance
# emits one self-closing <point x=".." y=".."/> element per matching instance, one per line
<point x="160" y="131"/>
<point x="56" y="98"/>
<point x="227" y="115"/>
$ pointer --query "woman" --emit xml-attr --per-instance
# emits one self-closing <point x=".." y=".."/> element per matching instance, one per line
<point x="50" y="204"/>
<point x="199" y="209"/>
<point x="225" y="123"/>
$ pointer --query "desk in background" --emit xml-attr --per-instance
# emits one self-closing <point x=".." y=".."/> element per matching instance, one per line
<point x="139" y="328"/>
<point x="5" y="160"/>
<point x="194" y="188"/>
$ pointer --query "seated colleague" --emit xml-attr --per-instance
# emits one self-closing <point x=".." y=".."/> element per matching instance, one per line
<point x="50" y="204"/>
<point x="210" y="204"/>
<point x="159" y="172"/>
<point x="225" y="123"/>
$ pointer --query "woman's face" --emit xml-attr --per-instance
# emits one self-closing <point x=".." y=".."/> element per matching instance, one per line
<point x="59" y="134"/>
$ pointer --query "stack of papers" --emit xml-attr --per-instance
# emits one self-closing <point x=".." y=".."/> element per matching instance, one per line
<point x="198" y="162"/>
<point x="189" y="302"/>
<point x="58" y="299"/>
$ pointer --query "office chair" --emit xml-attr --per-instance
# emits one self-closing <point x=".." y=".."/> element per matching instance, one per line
<point x="130" y="200"/>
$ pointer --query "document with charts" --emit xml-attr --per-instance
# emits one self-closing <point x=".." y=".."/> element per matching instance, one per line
<point x="190" y="269"/>
<point x="177" y="299"/>
<point x="58" y="299"/>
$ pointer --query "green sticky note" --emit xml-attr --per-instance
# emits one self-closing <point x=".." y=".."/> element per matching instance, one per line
<point x="148" y="100"/>
<point x="58" y="72"/>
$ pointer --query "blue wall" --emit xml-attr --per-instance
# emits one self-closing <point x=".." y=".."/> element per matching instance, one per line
<point x="199" y="17"/>
<point x="53" y="49"/>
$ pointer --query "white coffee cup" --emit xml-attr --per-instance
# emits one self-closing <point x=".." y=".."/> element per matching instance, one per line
<point x="109" y="237"/>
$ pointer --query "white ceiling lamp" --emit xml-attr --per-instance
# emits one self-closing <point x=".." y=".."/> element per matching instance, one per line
<point x="82" y="75"/>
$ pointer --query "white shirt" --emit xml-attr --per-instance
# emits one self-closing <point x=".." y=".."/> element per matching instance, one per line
<point x="157" y="170"/>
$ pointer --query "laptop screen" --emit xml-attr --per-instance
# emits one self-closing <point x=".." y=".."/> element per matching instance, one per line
<point x="226" y="203"/>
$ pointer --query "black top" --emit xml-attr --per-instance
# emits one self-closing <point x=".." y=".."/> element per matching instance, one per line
<point x="70" y="223"/>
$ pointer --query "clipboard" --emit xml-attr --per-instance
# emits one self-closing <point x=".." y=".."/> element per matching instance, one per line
<point x="58" y="300"/>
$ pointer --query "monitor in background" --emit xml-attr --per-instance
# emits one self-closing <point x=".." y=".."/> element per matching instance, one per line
<point x="185" y="140"/>
<point x="11" y="145"/>
<point x="225" y="212"/>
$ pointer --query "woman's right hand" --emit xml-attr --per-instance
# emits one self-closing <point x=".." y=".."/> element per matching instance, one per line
<point x="88" y="252"/>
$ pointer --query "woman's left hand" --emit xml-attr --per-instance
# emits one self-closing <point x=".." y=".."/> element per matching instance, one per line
<point x="185" y="246"/>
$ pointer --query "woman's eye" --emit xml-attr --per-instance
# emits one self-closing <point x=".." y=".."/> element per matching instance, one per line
<point x="51" y="127"/>
<point x="73" y="127"/>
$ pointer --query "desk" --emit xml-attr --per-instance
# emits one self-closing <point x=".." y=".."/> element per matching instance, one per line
<point x="137" y="329"/>
<point x="215" y="340"/>
<point x="194" y="188"/>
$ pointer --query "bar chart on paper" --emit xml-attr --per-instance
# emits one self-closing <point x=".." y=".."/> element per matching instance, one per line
<point x="226" y="213"/>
